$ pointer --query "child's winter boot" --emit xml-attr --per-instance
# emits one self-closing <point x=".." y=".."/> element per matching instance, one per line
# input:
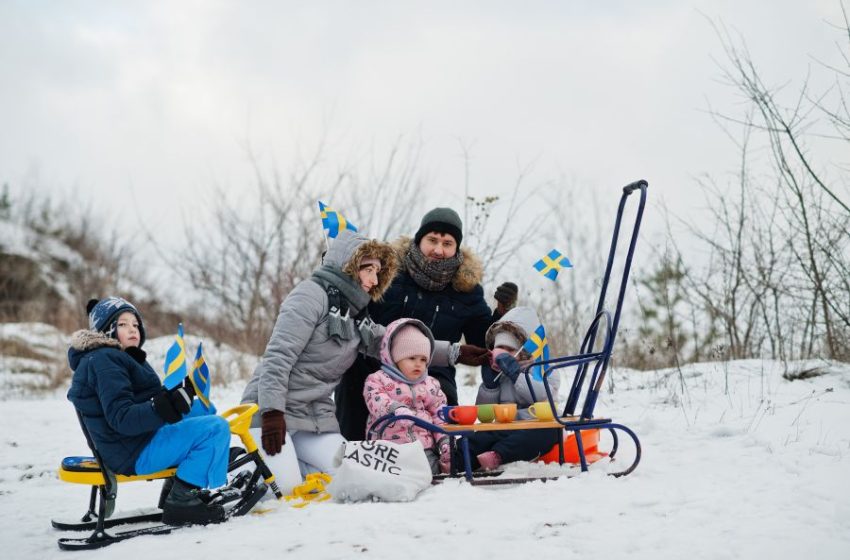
<point x="166" y="490"/>
<point x="185" y="506"/>
<point x="489" y="460"/>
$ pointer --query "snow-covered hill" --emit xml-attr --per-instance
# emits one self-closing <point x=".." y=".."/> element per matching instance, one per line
<point x="33" y="359"/>
<point x="743" y="464"/>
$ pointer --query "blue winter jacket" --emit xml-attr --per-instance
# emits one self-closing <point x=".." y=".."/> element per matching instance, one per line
<point x="113" y="394"/>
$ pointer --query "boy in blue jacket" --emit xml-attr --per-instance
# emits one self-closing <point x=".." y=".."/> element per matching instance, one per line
<point x="136" y="424"/>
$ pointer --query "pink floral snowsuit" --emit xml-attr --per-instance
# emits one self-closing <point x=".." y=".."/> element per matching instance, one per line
<point x="384" y="394"/>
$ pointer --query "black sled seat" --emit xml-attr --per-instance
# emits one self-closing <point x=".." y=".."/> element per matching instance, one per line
<point x="579" y="426"/>
<point x="92" y="471"/>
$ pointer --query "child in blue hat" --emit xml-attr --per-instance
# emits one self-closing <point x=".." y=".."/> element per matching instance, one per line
<point x="137" y="425"/>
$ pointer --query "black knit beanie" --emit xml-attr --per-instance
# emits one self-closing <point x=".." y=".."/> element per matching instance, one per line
<point x="440" y="220"/>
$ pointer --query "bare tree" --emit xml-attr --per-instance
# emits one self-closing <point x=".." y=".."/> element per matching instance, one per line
<point x="497" y="229"/>
<point x="257" y="247"/>
<point x="776" y="278"/>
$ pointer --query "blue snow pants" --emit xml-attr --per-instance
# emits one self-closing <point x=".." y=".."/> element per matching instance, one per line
<point x="198" y="446"/>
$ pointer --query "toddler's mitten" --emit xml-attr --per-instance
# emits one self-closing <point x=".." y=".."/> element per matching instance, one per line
<point x="509" y="366"/>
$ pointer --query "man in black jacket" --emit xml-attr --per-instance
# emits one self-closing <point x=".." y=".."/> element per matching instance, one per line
<point x="440" y="284"/>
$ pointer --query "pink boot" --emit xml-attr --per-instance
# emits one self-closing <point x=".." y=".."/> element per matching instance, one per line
<point x="489" y="460"/>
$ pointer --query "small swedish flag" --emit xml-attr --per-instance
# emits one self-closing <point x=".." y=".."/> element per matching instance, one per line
<point x="538" y="346"/>
<point x="549" y="265"/>
<point x="333" y="221"/>
<point x="175" y="361"/>
<point x="201" y="380"/>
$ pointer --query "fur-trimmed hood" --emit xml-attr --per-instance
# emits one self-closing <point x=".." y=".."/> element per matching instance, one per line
<point x="348" y="250"/>
<point x="468" y="275"/>
<point x="84" y="340"/>
<point x="374" y="249"/>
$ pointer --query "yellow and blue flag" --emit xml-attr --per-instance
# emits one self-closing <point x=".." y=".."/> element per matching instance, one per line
<point x="538" y="346"/>
<point x="175" y="361"/>
<point x="333" y="221"/>
<point x="549" y="265"/>
<point x="201" y="381"/>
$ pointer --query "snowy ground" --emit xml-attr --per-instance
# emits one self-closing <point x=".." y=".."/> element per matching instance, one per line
<point x="756" y="471"/>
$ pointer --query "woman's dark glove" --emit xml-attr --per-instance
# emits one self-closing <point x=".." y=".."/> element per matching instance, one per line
<point x="273" y="431"/>
<point x="488" y="376"/>
<point x="509" y="366"/>
<point x="506" y="296"/>
<point x="471" y="355"/>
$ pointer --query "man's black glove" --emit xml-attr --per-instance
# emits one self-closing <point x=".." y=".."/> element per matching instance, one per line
<point x="506" y="296"/>
<point x="471" y="355"/>
<point x="488" y="376"/>
<point x="172" y="404"/>
<point x="509" y="366"/>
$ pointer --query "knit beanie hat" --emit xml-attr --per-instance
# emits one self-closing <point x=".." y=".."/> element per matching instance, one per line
<point x="409" y="341"/>
<point x="103" y="316"/>
<point x="506" y="340"/>
<point x="441" y="220"/>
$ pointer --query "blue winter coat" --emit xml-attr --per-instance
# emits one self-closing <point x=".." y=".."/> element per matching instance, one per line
<point x="113" y="394"/>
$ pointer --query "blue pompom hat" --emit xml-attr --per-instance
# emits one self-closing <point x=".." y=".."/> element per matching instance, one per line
<point x="103" y="315"/>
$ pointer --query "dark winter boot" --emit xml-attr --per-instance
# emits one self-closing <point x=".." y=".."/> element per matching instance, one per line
<point x="166" y="490"/>
<point x="185" y="506"/>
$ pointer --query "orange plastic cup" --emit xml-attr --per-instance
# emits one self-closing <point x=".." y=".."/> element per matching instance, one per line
<point x="464" y="414"/>
<point x="505" y="412"/>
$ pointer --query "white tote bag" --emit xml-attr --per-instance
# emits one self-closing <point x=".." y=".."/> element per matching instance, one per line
<point x="379" y="470"/>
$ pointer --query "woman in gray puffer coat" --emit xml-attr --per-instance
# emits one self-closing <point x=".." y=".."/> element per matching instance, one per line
<point x="322" y="324"/>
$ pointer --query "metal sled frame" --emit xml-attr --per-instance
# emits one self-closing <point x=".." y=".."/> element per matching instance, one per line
<point x="587" y="355"/>
<point x="93" y="471"/>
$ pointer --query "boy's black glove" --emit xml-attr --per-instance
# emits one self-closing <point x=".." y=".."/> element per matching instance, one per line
<point x="162" y="405"/>
<point x="488" y="376"/>
<point x="172" y="404"/>
<point x="183" y="396"/>
<point x="509" y="366"/>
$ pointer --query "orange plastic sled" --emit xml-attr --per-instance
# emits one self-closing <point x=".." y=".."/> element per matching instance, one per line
<point x="590" y="440"/>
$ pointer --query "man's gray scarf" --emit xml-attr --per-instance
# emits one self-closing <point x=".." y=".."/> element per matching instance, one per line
<point x="431" y="274"/>
<point x="348" y="314"/>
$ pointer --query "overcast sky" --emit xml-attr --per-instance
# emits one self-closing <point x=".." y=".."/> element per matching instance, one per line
<point x="146" y="104"/>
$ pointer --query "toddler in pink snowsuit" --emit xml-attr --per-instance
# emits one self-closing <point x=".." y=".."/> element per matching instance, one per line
<point x="402" y="386"/>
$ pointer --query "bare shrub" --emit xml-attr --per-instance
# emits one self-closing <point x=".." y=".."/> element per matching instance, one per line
<point x="775" y="279"/>
<point x="57" y="259"/>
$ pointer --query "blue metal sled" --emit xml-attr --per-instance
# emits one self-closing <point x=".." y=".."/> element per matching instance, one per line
<point x="603" y="327"/>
